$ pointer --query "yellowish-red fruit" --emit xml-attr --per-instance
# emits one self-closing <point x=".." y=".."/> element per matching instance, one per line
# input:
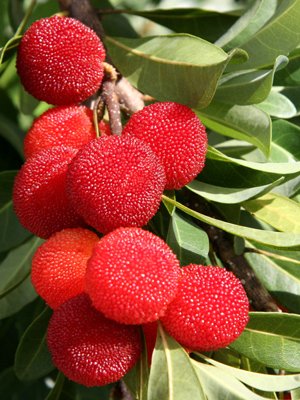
<point x="60" y="60"/>
<point x="39" y="196"/>
<point x="115" y="181"/>
<point x="89" y="348"/>
<point x="59" y="265"/>
<point x="132" y="276"/>
<point x="210" y="309"/>
<point x="176" y="135"/>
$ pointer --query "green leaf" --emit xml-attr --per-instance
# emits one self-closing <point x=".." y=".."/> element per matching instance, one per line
<point x="275" y="168"/>
<point x="270" y="238"/>
<point x="272" y="339"/>
<point x="161" y="66"/>
<point x="222" y="385"/>
<point x="248" y="24"/>
<point x="282" y="283"/>
<point x="188" y="241"/>
<point x="277" y="211"/>
<point x="207" y="24"/>
<point x="15" y="285"/>
<point x="33" y="359"/>
<point x="278" y="105"/>
<point x="244" y="87"/>
<point x="270" y="383"/>
<point x="290" y="75"/>
<point x="239" y="122"/>
<point x="57" y="389"/>
<point x="262" y="48"/>
<point x="172" y="375"/>
<point x="6" y="185"/>
<point x="12" y="232"/>
<point x="227" y="195"/>
<point x="15" y="268"/>
<point x="287" y="136"/>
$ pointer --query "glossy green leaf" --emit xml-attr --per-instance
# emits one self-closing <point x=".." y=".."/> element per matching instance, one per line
<point x="272" y="339"/>
<point x="239" y="122"/>
<point x="207" y="24"/>
<point x="278" y="105"/>
<point x="270" y="238"/>
<point x="262" y="48"/>
<point x="227" y="195"/>
<point x="12" y="232"/>
<point x="188" y="241"/>
<point x="278" y="211"/>
<point x="221" y="385"/>
<point x="172" y="375"/>
<point x="33" y="359"/>
<point x="246" y="87"/>
<point x="290" y="75"/>
<point x="275" y="168"/>
<point x="248" y="24"/>
<point x="282" y="283"/>
<point x="161" y="66"/>
<point x="295" y="394"/>
<point x="15" y="286"/>
<point x="287" y="136"/>
<point x="16" y="266"/>
<point x="271" y="383"/>
<point x="10" y="132"/>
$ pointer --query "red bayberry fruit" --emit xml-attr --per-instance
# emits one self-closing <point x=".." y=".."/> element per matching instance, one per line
<point x="150" y="334"/>
<point x="59" y="265"/>
<point x="60" y="60"/>
<point x="69" y="125"/>
<point x="39" y="195"/>
<point x="89" y="348"/>
<point x="132" y="276"/>
<point x="176" y="135"/>
<point x="115" y="181"/>
<point x="210" y="309"/>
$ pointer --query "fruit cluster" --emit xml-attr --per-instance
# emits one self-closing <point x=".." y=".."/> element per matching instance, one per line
<point x="75" y="186"/>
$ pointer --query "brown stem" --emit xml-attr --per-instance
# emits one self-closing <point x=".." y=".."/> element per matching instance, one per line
<point x="111" y="99"/>
<point x="260" y="299"/>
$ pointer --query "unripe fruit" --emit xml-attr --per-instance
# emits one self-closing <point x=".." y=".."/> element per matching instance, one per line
<point x="210" y="309"/>
<point x="59" y="265"/>
<point x="60" y="61"/>
<point x="68" y="125"/>
<point x="132" y="276"/>
<point x="176" y="135"/>
<point x="115" y="181"/>
<point x="39" y="196"/>
<point x="89" y="348"/>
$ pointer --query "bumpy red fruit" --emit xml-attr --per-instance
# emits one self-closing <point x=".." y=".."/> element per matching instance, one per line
<point x="176" y="135"/>
<point x="69" y="125"/>
<point x="115" y="181"/>
<point x="132" y="276"/>
<point x="60" y="61"/>
<point x="89" y="348"/>
<point x="39" y="196"/>
<point x="210" y="309"/>
<point x="59" y="265"/>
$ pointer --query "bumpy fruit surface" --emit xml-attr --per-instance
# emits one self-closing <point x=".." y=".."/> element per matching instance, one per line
<point x="59" y="265"/>
<point x="176" y="135"/>
<point x="89" y="348"/>
<point x="68" y="125"/>
<point x="132" y="276"/>
<point x="115" y="181"/>
<point x="210" y="309"/>
<point x="60" y="61"/>
<point x="39" y="196"/>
